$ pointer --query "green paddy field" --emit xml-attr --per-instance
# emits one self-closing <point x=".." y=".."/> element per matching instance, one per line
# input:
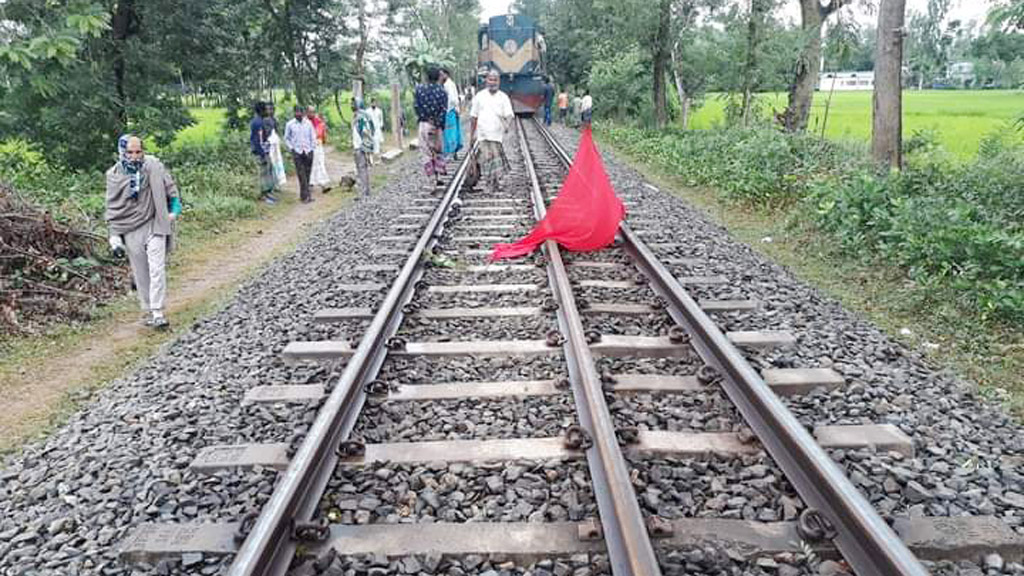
<point x="960" y="117"/>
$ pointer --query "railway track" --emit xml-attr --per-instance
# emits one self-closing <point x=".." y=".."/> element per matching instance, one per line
<point x="378" y="476"/>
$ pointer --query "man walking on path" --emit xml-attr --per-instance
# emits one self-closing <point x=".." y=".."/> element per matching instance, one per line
<point x="258" y="145"/>
<point x="563" y="106"/>
<point x="141" y="208"/>
<point x="549" y="95"/>
<point x="586" y="109"/>
<point x="300" y="138"/>
<point x="452" y="130"/>
<point x="364" y="132"/>
<point x="431" y="103"/>
<point x="492" y="115"/>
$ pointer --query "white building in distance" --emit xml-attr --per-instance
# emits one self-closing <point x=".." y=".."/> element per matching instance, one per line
<point x="846" y="81"/>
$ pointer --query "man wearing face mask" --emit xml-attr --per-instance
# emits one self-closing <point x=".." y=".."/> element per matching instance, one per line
<point x="142" y="206"/>
<point x="492" y="115"/>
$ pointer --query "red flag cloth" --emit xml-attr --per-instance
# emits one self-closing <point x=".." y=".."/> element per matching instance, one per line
<point x="585" y="215"/>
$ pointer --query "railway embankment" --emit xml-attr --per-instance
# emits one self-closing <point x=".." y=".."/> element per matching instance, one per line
<point x="933" y="255"/>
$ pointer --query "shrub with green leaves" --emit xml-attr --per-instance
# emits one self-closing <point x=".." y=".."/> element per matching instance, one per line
<point x="960" y="226"/>
<point x="948" y="224"/>
<point x="216" y="180"/>
<point x="763" y="167"/>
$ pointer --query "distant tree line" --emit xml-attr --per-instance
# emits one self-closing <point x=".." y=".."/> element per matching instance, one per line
<point x="739" y="48"/>
<point x="77" y="74"/>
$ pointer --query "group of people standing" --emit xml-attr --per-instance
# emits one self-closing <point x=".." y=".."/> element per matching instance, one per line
<point x="582" y="107"/>
<point x="440" y="133"/>
<point x="305" y="137"/>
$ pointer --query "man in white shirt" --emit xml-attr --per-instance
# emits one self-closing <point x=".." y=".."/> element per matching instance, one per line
<point x="492" y="116"/>
<point x="586" y="109"/>
<point x="300" y="138"/>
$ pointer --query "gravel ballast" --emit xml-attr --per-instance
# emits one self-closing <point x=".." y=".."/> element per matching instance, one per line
<point x="68" y="500"/>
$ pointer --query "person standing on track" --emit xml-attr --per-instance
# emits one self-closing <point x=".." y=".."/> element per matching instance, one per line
<point x="586" y="109"/>
<point x="549" y="96"/>
<point x="141" y="208"/>
<point x="563" y="106"/>
<point x="364" y="135"/>
<point x="431" y="103"/>
<point x="452" y="129"/>
<point x="300" y="138"/>
<point x="260" y="148"/>
<point x="492" y="116"/>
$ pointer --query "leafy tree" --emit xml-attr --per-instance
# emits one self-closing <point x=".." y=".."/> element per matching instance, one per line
<point x="998" y="56"/>
<point x="421" y="55"/>
<point x="691" y="54"/>
<point x="618" y="80"/>
<point x="813" y="14"/>
<point x="1008" y="14"/>
<point x="572" y="32"/>
<point x="79" y="74"/>
<point x="928" y="42"/>
<point x="849" y="46"/>
<point x="649" y="24"/>
<point x="447" y="26"/>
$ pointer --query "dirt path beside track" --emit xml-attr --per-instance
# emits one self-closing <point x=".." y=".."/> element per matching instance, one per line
<point x="52" y="375"/>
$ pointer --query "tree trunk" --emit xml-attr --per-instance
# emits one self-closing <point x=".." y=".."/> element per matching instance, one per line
<point x="357" y="83"/>
<point x="661" y="56"/>
<point x="123" y="25"/>
<point x="750" y="67"/>
<point x="808" y="65"/>
<point x="887" y="103"/>
<point x="684" y="98"/>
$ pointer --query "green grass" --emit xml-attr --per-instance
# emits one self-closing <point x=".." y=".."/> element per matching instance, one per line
<point x="960" y="117"/>
<point x="206" y="130"/>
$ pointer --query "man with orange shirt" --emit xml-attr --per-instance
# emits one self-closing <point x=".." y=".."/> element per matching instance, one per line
<point x="563" y="105"/>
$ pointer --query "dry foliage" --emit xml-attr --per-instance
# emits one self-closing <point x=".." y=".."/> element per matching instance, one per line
<point x="49" y="271"/>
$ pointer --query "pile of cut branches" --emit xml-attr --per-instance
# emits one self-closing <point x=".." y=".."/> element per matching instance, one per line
<point x="49" y="271"/>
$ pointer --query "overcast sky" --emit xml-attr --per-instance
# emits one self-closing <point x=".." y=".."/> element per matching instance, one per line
<point x="962" y="9"/>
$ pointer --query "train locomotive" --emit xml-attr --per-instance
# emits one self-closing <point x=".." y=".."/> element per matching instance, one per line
<point x="513" y="45"/>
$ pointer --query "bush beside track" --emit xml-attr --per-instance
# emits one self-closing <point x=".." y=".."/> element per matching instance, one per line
<point x="955" y="227"/>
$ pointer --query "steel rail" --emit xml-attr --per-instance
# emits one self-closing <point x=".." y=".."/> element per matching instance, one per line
<point x="630" y="552"/>
<point x="866" y="542"/>
<point x="270" y="548"/>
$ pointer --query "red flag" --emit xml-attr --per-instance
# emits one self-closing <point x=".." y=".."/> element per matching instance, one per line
<point x="585" y="215"/>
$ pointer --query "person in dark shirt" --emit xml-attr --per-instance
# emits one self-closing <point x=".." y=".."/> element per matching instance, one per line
<point x="258" y="134"/>
<point x="431" y="103"/>
<point x="549" y="95"/>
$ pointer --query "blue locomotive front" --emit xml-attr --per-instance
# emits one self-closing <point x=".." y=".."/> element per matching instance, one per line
<point x="514" y="46"/>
